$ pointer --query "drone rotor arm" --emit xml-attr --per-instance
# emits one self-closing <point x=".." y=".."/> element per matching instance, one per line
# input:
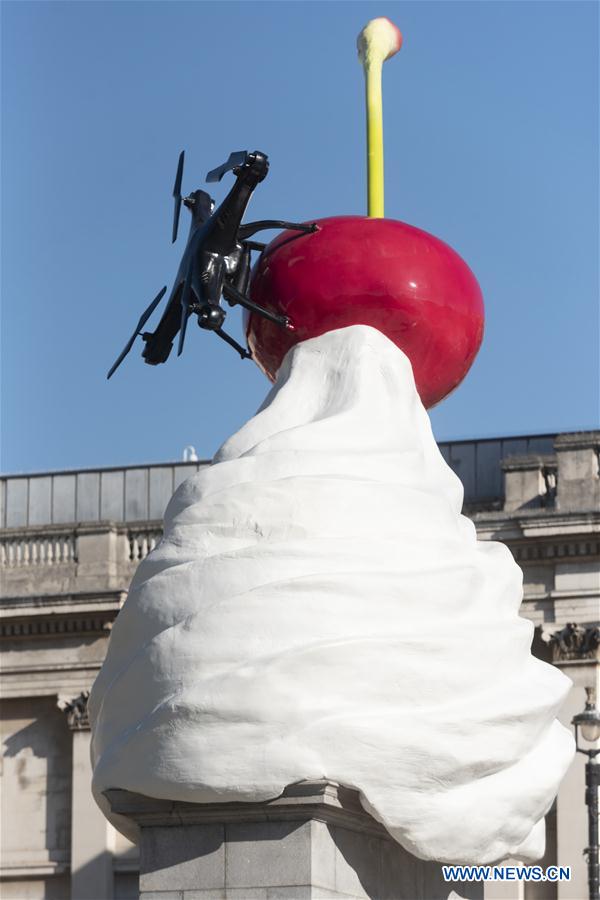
<point x="246" y="231"/>
<point x="233" y="297"/>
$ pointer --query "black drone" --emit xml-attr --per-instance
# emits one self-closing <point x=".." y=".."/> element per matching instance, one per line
<point x="215" y="262"/>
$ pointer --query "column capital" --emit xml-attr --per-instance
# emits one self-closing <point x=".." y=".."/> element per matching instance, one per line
<point x="76" y="711"/>
<point x="575" y="642"/>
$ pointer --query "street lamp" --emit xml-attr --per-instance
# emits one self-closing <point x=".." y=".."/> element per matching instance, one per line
<point x="589" y="722"/>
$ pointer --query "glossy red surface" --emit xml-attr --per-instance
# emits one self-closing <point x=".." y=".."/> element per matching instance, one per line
<point x="380" y="272"/>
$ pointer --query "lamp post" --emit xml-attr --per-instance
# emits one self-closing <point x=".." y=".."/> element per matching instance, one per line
<point x="589" y="722"/>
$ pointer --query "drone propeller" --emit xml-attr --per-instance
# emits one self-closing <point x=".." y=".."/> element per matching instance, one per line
<point x="177" y="195"/>
<point x="235" y="160"/>
<point x="138" y="330"/>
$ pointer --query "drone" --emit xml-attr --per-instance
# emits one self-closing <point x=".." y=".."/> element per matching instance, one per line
<point x="216" y="261"/>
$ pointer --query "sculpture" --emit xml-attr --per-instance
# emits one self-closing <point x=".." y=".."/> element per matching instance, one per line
<point x="318" y="607"/>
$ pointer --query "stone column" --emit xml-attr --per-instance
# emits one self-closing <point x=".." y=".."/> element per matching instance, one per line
<point x="315" y="841"/>
<point x="91" y="834"/>
<point x="576" y="651"/>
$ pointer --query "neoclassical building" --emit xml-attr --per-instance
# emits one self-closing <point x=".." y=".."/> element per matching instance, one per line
<point x="70" y="544"/>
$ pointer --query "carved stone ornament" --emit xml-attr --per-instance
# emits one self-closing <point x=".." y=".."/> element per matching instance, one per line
<point x="76" y="711"/>
<point x="575" y="642"/>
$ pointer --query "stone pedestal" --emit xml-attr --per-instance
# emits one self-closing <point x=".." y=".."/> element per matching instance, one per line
<point x="315" y="841"/>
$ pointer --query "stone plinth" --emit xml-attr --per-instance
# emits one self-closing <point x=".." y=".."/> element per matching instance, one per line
<point x="315" y="841"/>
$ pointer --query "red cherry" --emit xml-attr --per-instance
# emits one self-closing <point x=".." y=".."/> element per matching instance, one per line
<point x="364" y="271"/>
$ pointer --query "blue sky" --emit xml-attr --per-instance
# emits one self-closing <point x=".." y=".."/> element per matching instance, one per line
<point x="491" y="141"/>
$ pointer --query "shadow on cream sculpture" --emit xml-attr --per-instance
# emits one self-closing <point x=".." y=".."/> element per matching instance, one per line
<point x="318" y="608"/>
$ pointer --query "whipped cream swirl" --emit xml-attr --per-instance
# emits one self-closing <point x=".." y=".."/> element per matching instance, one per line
<point x="319" y="608"/>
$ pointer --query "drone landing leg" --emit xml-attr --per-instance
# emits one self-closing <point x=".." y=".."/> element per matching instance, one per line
<point x="254" y="245"/>
<point x="233" y="296"/>
<point x="233" y="343"/>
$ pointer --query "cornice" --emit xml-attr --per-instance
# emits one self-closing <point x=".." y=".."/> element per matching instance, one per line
<point x="553" y="526"/>
<point x="57" y="625"/>
<point x="563" y="598"/>
<point x="91" y="667"/>
<point x="51" y="679"/>
<point x="87" y="613"/>
<point x="74" y="528"/>
<point x="42" y="602"/>
<point x="577" y="440"/>
<point x="540" y="517"/>
<point x="526" y="462"/>
<point x="319" y="800"/>
<point x="528" y="551"/>
<point x="32" y="870"/>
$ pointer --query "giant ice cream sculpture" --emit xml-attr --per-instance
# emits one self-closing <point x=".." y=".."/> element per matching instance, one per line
<point x="318" y="608"/>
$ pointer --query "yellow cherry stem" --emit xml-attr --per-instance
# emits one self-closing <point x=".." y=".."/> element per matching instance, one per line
<point x="375" y="171"/>
<point x="378" y="40"/>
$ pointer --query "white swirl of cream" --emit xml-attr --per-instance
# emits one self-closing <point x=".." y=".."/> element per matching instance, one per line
<point x="319" y="608"/>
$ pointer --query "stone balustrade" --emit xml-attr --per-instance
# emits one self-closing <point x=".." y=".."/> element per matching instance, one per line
<point x="88" y="556"/>
<point x="141" y="542"/>
<point x="29" y="548"/>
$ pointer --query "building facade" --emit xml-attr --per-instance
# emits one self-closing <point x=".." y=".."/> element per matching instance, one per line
<point x="70" y="544"/>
